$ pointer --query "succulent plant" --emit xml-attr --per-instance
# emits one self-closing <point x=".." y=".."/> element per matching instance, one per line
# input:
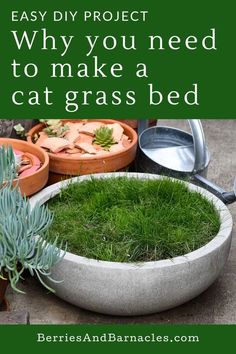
<point x="8" y="166"/>
<point x="54" y="127"/>
<point x="20" y="130"/>
<point x="23" y="231"/>
<point x="23" y="238"/>
<point x="103" y="137"/>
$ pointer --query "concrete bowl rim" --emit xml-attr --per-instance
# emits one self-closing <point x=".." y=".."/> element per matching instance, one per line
<point x="223" y="234"/>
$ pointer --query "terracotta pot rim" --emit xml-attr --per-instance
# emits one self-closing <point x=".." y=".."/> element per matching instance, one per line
<point x="99" y="157"/>
<point x="45" y="163"/>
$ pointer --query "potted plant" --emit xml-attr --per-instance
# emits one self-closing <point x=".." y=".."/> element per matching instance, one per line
<point x="23" y="235"/>
<point x="136" y="248"/>
<point x="15" y="128"/>
<point x="31" y="164"/>
<point x="79" y="147"/>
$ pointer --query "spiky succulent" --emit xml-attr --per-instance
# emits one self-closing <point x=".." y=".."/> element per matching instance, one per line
<point x="23" y="238"/>
<point x="104" y="137"/>
<point x="8" y="167"/>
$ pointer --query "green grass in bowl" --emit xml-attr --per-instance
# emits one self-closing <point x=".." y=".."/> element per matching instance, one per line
<point x="131" y="220"/>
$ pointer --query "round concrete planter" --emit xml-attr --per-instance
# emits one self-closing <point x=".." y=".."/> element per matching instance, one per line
<point x="140" y="288"/>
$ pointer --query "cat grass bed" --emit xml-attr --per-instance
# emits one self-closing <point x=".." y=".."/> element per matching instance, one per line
<point x="143" y="221"/>
<point x="132" y="220"/>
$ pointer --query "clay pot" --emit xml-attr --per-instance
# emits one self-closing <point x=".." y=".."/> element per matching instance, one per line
<point x="62" y="167"/>
<point x="31" y="184"/>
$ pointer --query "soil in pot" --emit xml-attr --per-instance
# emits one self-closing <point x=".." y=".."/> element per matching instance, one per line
<point x="132" y="220"/>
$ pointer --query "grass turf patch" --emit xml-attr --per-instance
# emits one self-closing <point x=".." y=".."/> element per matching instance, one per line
<point x="131" y="220"/>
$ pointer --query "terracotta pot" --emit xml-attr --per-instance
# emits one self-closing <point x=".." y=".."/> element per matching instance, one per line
<point x="31" y="184"/>
<point x="61" y="167"/>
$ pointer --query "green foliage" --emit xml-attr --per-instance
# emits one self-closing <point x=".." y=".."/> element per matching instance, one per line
<point x="104" y="138"/>
<point x="8" y="168"/>
<point x="23" y="238"/>
<point x="20" y="130"/>
<point x="54" y="127"/>
<point x="132" y="220"/>
<point x="23" y="232"/>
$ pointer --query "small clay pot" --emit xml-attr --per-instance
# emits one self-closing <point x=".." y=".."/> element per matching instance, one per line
<point x="33" y="183"/>
<point x="62" y="167"/>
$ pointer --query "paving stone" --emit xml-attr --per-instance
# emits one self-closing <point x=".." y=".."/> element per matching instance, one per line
<point x="14" y="317"/>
